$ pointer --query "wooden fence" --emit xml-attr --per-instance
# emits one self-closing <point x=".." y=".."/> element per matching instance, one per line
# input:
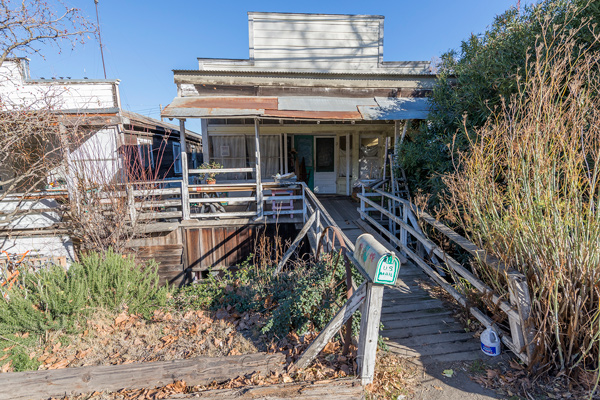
<point x="395" y="217"/>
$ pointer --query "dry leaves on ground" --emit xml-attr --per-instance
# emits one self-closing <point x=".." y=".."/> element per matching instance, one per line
<point x="128" y="338"/>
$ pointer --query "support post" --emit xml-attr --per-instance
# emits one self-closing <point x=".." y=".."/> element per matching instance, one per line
<point x="281" y="154"/>
<point x="185" y="192"/>
<point x="404" y="129"/>
<point x="348" y="172"/>
<point x="304" y="208"/>
<point x="131" y="204"/>
<point x="521" y="330"/>
<point x="285" y="153"/>
<point x="362" y="204"/>
<point x="205" y="141"/>
<point x="403" y="232"/>
<point x="259" y="189"/>
<point x="396" y="133"/>
<point x="369" y="332"/>
<point x="318" y="227"/>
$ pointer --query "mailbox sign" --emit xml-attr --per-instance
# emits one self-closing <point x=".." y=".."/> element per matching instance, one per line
<point x="387" y="270"/>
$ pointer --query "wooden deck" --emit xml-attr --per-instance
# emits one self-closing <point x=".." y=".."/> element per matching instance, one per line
<point x="416" y="325"/>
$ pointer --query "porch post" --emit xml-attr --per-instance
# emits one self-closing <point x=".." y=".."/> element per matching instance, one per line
<point x="185" y="192"/>
<point x="396" y="133"/>
<point x="404" y="129"/>
<point x="259" y="191"/>
<point x="285" y="153"/>
<point x="204" y="127"/>
<point x="348" y="190"/>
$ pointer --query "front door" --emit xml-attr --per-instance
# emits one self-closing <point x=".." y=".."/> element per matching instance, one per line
<point x="325" y="175"/>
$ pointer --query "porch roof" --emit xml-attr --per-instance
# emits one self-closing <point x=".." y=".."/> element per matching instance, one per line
<point x="299" y="107"/>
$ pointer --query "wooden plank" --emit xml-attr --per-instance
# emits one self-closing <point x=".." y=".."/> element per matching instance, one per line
<point x="206" y="242"/>
<point x="433" y="350"/>
<point x="425" y="330"/>
<point x="403" y="321"/>
<point x="333" y="327"/>
<point x="194" y="371"/>
<point x="417" y="342"/>
<point x="369" y="332"/>
<point x="220" y="254"/>
<point x="295" y="244"/>
<point x="341" y="389"/>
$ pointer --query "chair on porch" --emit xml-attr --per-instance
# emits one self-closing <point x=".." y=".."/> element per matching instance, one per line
<point x="279" y="205"/>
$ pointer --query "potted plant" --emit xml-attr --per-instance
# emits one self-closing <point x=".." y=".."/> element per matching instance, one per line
<point x="210" y="176"/>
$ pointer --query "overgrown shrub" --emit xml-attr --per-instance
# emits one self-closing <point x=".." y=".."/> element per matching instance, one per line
<point x="473" y="80"/>
<point x="528" y="192"/>
<point x="56" y="298"/>
<point x="299" y="299"/>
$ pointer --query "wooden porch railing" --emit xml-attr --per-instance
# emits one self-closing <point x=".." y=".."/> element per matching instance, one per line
<point x="395" y="218"/>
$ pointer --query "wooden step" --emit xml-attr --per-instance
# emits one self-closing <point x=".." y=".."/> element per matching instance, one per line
<point x="398" y="334"/>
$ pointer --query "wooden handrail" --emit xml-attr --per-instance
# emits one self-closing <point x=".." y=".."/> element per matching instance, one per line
<point x="521" y="339"/>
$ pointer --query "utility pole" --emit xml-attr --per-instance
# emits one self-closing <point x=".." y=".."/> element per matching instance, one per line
<point x="100" y="38"/>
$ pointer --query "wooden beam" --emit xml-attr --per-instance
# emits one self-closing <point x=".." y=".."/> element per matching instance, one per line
<point x="185" y="192"/>
<point x="348" y="167"/>
<point x="333" y="327"/>
<point x="205" y="141"/>
<point x="259" y="188"/>
<point x="339" y="389"/>
<point x="369" y="332"/>
<point x="194" y="371"/>
<point x="295" y="243"/>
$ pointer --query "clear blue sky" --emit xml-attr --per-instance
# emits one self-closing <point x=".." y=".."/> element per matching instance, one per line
<point x="145" y="40"/>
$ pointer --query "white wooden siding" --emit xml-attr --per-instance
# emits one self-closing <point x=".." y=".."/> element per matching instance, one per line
<point x="59" y="94"/>
<point x="316" y="42"/>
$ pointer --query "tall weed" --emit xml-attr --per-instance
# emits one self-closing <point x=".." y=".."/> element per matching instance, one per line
<point x="528" y="191"/>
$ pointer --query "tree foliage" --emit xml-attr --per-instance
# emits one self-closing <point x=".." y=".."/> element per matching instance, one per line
<point x="25" y="25"/>
<point x="474" y="79"/>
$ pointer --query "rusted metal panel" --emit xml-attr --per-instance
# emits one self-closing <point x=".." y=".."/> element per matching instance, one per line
<point x="301" y="107"/>
<point x="248" y="102"/>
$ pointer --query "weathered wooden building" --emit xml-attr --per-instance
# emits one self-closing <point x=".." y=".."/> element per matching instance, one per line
<point x="327" y="102"/>
<point x="107" y="145"/>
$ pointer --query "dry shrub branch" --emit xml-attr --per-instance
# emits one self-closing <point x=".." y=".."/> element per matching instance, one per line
<point x="528" y="192"/>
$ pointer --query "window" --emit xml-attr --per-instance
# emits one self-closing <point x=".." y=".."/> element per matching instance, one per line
<point x="238" y="151"/>
<point x="369" y="158"/>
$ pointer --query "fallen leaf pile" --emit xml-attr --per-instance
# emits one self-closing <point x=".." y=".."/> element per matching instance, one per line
<point x="514" y="380"/>
<point x="395" y="377"/>
<point x="166" y="336"/>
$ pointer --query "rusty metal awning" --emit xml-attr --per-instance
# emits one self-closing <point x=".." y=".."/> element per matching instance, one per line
<point x="299" y="107"/>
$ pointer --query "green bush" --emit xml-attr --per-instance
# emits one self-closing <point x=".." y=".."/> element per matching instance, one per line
<point x="299" y="299"/>
<point x="55" y="298"/>
<point x="474" y="80"/>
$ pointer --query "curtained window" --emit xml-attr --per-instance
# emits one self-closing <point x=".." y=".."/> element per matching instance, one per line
<point x="238" y="151"/>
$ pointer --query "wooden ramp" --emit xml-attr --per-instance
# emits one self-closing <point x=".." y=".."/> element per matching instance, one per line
<point x="416" y="325"/>
<point x="421" y="326"/>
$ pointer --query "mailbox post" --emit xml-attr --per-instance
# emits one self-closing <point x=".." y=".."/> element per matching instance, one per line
<point x="382" y="266"/>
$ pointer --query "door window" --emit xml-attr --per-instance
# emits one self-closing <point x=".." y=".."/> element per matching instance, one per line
<point x="324" y="157"/>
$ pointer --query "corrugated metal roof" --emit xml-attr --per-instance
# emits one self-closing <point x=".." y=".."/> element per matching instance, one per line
<point x="320" y="103"/>
<point x="396" y="108"/>
<point x="298" y="107"/>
